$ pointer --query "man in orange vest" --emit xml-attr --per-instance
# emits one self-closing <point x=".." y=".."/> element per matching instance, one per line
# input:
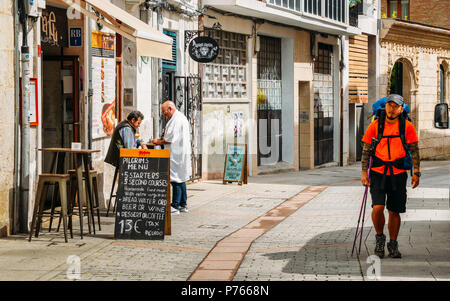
<point x="388" y="173"/>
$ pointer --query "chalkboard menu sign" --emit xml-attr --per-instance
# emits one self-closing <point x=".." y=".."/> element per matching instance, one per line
<point x="235" y="169"/>
<point x="143" y="194"/>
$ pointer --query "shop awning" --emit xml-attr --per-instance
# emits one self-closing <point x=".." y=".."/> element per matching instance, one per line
<point x="149" y="41"/>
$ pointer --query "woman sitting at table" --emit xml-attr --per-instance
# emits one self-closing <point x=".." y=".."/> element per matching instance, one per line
<point x="124" y="136"/>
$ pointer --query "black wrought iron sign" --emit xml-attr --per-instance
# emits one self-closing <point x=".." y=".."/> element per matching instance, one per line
<point x="203" y="49"/>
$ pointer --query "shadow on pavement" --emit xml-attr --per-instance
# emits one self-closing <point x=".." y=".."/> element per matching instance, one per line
<point x="425" y="246"/>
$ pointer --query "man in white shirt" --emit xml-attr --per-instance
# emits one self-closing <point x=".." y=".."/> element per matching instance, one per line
<point x="177" y="138"/>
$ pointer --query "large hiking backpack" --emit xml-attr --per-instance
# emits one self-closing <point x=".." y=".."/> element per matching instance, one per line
<point x="379" y="113"/>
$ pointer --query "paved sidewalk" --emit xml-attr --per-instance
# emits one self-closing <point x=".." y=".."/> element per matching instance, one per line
<point x="312" y="243"/>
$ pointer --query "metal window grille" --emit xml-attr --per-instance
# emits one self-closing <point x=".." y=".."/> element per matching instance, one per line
<point x="232" y="47"/>
<point x="336" y="9"/>
<point x="226" y="76"/>
<point x="323" y="63"/>
<point x="323" y="106"/>
<point x="269" y="95"/>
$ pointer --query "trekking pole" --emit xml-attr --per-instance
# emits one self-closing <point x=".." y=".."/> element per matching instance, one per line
<point x="359" y="218"/>
<point x="363" y="204"/>
<point x="362" y="212"/>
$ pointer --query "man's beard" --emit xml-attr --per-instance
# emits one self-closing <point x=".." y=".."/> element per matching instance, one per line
<point x="391" y="118"/>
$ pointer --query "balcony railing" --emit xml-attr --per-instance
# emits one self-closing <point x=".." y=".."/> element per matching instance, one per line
<point x="353" y="15"/>
<point x="336" y="10"/>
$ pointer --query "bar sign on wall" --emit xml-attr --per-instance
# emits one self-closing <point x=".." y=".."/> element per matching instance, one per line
<point x="75" y="37"/>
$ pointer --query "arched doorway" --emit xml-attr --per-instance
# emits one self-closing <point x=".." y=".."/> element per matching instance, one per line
<point x="401" y="83"/>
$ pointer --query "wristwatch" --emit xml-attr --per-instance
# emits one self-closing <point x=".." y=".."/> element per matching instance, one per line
<point x="418" y="173"/>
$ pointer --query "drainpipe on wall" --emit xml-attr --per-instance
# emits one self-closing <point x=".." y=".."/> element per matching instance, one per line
<point x="25" y="137"/>
<point x="341" y="98"/>
<point x="16" y="189"/>
<point x="156" y="101"/>
<point x="90" y="89"/>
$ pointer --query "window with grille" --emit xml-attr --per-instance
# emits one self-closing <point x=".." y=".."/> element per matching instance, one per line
<point x="313" y="7"/>
<point x="323" y="105"/>
<point x="336" y="9"/>
<point x="333" y="9"/>
<point x="291" y="4"/>
<point x="226" y="76"/>
<point x="398" y="9"/>
<point x="323" y="63"/>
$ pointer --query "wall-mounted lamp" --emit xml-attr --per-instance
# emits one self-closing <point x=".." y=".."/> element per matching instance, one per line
<point x="257" y="44"/>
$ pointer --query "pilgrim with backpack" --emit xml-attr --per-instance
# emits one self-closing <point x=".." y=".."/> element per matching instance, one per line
<point x="392" y="144"/>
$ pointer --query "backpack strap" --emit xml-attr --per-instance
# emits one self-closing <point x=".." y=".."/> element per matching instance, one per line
<point x="402" y="129"/>
<point x="381" y="119"/>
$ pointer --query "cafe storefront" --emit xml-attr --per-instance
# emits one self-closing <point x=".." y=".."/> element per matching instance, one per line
<point x="81" y="54"/>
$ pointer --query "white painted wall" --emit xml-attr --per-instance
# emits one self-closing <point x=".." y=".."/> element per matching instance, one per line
<point x="337" y="102"/>
<point x="345" y="104"/>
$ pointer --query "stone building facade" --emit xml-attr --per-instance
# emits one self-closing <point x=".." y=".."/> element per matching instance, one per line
<point x="7" y="119"/>
<point x="423" y="52"/>
<point x="282" y="96"/>
<point x="431" y="12"/>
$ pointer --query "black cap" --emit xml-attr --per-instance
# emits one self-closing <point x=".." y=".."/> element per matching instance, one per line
<point x="398" y="99"/>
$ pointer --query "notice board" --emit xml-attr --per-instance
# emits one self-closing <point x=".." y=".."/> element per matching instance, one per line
<point x="235" y="169"/>
<point x="143" y="206"/>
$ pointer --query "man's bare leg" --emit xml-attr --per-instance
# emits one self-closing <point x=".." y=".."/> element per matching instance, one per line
<point x="394" y="224"/>
<point x="378" y="222"/>
<point x="378" y="218"/>
<point x="393" y="227"/>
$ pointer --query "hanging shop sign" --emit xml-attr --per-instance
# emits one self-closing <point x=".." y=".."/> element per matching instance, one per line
<point x="103" y="83"/>
<point x="54" y="27"/>
<point x="203" y="49"/>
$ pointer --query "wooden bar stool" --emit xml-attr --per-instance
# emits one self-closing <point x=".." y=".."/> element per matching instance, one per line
<point x="44" y="180"/>
<point x="111" y="195"/>
<point x="96" y="205"/>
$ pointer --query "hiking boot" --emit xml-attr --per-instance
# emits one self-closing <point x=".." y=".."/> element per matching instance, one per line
<point x="392" y="247"/>
<point x="379" y="245"/>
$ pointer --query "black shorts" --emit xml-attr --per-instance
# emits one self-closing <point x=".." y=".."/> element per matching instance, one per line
<point x="396" y="199"/>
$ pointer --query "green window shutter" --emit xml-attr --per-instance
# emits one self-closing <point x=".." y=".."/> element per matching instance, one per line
<point x="171" y="65"/>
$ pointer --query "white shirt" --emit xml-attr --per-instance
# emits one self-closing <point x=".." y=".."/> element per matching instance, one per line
<point x="178" y="134"/>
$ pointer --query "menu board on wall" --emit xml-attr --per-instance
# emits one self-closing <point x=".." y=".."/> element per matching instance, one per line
<point x="103" y="83"/>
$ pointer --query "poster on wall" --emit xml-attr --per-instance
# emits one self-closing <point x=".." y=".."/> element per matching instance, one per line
<point x="103" y="83"/>
<point x="238" y="118"/>
<point x="32" y="100"/>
